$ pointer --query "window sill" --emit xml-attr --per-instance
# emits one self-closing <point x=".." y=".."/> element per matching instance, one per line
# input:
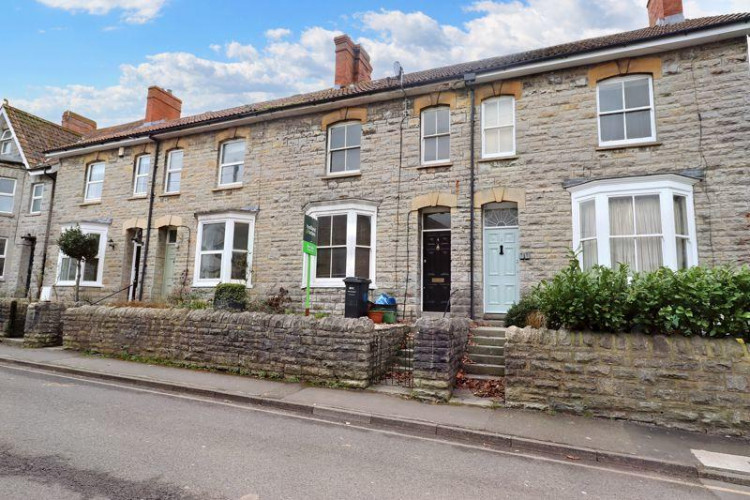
<point x="34" y="214"/>
<point x="498" y="158"/>
<point x="627" y="146"/>
<point x="345" y="175"/>
<point x="87" y="203"/>
<point x="434" y="165"/>
<point x="228" y="187"/>
<point x="138" y="197"/>
<point x="167" y="195"/>
<point x="6" y="214"/>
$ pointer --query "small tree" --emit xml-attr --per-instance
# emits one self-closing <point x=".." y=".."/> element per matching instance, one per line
<point x="80" y="247"/>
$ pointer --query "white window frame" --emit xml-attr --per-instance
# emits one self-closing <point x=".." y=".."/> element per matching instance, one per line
<point x="223" y="165"/>
<point x="6" y="140"/>
<point x="87" y="228"/>
<point x="229" y="219"/>
<point x="502" y="154"/>
<point x="12" y="196"/>
<point x="89" y="182"/>
<point x="137" y="175"/>
<point x="666" y="186"/>
<point x="346" y="147"/>
<point x="4" y="256"/>
<point x="624" y="111"/>
<point x="36" y="197"/>
<point x="351" y="210"/>
<point x="436" y="134"/>
<point x="170" y="170"/>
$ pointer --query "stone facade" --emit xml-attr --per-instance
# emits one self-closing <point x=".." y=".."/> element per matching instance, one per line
<point x="337" y="350"/>
<point x="439" y="346"/>
<point x="701" y="109"/>
<point x="690" y="383"/>
<point x="43" y="326"/>
<point x="12" y="317"/>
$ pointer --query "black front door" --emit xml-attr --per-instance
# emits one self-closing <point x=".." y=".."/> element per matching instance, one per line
<point x="436" y="270"/>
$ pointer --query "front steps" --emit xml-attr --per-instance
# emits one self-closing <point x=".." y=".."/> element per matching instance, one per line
<point x="486" y="353"/>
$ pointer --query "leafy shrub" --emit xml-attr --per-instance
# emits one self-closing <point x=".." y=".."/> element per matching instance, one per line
<point x="518" y="314"/>
<point x="230" y="296"/>
<point x="713" y="302"/>
<point x="185" y="300"/>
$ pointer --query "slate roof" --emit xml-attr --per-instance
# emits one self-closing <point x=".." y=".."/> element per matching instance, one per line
<point x="37" y="135"/>
<point x="140" y="128"/>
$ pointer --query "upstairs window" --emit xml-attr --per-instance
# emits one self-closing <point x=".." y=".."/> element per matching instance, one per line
<point x="37" y="193"/>
<point x="344" y="144"/>
<point x="6" y="141"/>
<point x="436" y="135"/>
<point x="225" y="249"/>
<point x="499" y="127"/>
<point x="173" y="174"/>
<point x="140" y="175"/>
<point x="7" y="194"/>
<point x="231" y="163"/>
<point x="94" y="182"/>
<point x="626" y="111"/>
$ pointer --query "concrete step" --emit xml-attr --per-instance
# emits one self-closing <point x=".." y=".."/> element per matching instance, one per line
<point x="12" y="340"/>
<point x="481" y="340"/>
<point x="482" y="369"/>
<point x="482" y="377"/>
<point x="490" y="350"/>
<point x="486" y="359"/>
<point x="488" y="331"/>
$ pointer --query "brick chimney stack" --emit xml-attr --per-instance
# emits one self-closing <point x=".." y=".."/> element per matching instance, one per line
<point x="77" y="123"/>
<point x="162" y="105"/>
<point x="352" y="62"/>
<point x="661" y="12"/>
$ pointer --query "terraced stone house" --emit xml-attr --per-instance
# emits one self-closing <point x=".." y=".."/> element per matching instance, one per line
<point x="453" y="189"/>
<point x="26" y="187"/>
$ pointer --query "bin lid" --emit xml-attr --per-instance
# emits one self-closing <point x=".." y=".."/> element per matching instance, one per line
<point x="356" y="280"/>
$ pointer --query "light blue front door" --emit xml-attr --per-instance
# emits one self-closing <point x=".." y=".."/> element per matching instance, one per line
<point x="501" y="288"/>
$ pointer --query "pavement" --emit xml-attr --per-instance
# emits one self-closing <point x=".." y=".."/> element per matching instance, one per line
<point x="606" y="443"/>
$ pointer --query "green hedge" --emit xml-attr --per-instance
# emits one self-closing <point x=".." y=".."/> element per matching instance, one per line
<point x="713" y="302"/>
<point x="230" y="296"/>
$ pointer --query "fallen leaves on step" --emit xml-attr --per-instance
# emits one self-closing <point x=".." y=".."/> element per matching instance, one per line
<point x="489" y="388"/>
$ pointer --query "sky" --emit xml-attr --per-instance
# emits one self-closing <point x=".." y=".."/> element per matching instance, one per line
<point x="98" y="57"/>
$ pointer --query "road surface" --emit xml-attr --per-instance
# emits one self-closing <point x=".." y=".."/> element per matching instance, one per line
<point x="68" y="438"/>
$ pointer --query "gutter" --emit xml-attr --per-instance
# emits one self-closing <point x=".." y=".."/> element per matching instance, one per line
<point x="150" y="217"/>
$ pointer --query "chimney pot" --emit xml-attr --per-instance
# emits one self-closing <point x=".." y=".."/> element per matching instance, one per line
<point x="352" y="62"/>
<point x="162" y="105"/>
<point x="661" y="12"/>
<point x="77" y="123"/>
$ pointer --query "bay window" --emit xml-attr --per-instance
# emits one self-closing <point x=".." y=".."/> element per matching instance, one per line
<point x="346" y="243"/>
<point x="644" y="222"/>
<point x="499" y="127"/>
<point x="436" y="135"/>
<point x="626" y="111"/>
<point x="344" y="145"/>
<point x="93" y="270"/>
<point x="224" y="249"/>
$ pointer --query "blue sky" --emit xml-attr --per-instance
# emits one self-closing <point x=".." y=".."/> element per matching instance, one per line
<point x="97" y="57"/>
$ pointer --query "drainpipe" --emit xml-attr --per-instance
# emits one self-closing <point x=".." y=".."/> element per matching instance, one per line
<point x="469" y="80"/>
<point x="46" y="232"/>
<point x="150" y="217"/>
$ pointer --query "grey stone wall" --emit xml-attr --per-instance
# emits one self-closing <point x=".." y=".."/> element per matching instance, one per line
<point x="689" y="383"/>
<point x="345" y="351"/>
<point x="43" y="327"/>
<point x="439" y="346"/>
<point x="12" y="317"/>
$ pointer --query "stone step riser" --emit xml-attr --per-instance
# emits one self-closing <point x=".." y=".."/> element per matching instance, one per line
<point x="480" y="369"/>
<point x="488" y="341"/>
<point x="485" y="359"/>
<point x="488" y="332"/>
<point x="487" y="350"/>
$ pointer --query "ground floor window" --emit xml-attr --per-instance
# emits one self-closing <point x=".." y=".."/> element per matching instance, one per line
<point x="224" y="251"/>
<point x="92" y="271"/>
<point x="644" y="222"/>
<point x="346" y="243"/>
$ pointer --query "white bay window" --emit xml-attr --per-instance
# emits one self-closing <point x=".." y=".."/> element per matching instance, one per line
<point x="224" y="249"/>
<point x="91" y="271"/>
<point x="346" y="243"/>
<point x="644" y="222"/>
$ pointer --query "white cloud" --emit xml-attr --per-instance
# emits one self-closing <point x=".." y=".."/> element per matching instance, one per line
<point x="133" y="11"/>
<point x="242" y="73"/>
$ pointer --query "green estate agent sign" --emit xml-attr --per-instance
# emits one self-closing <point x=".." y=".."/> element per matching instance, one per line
<point x="310" y="248"/>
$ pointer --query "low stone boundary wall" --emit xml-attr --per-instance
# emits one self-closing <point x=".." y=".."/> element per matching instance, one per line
<point x="439" y="346"/>
<point x="690" y="383"/>
<point x="351" y="352"/>
<point x="43" y="327"/>
<point x="12" y="317"/>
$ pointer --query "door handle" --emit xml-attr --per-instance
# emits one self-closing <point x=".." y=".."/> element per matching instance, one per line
<point x="501" y="250"/>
